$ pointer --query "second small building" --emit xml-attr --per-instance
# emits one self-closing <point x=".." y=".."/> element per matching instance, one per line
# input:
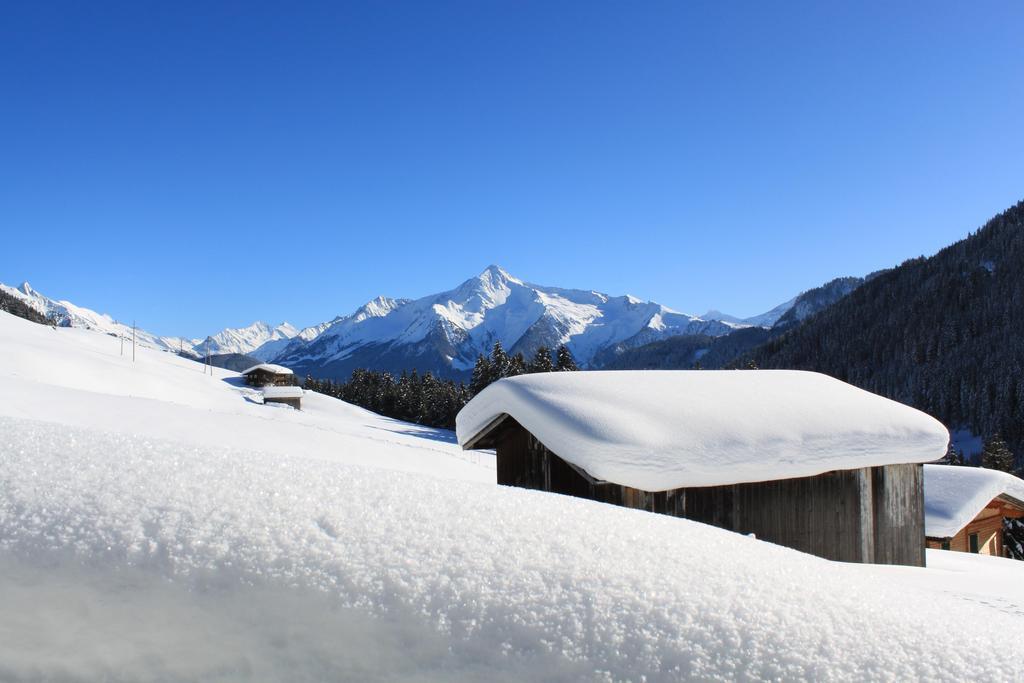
<point x="266" y="374"/>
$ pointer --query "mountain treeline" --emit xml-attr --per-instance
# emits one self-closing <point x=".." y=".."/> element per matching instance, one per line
<point x="944" y="334"/>
<point x="15" y="306"/>
<point x="430" y="400"/>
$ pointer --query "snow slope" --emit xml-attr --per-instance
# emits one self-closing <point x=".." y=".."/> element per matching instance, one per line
<point x="77" y="377"/>
<point x="146" y="535"/>
<point x="953" y="496"/>
<point x="657" y="430"/>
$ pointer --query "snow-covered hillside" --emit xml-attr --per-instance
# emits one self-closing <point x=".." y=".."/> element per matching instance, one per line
<point x="446" y="332"/>
<point x="157" y="523"/>
<point x="69" y="315"/>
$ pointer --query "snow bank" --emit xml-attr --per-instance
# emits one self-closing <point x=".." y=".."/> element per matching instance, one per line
<point x="660" y="430"/>
<point x="953" y="496"/>
<point x="516" y="584"/>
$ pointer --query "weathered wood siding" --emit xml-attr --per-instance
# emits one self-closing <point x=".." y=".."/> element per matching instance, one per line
<point x="262" y="378"/>
<point x="865" y="515"/>
<point x="294" y="402"/>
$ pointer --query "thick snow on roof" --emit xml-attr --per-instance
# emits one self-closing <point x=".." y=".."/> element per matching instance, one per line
<point x="282" y="392"/>
<point x="271" y="368"/>
<point x="659" y="430"/>
<point x="953" y="496"/>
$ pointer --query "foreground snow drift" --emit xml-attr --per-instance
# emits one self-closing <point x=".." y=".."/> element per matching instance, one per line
<point x="515" y="581"/>
<point x="160" y="524"/>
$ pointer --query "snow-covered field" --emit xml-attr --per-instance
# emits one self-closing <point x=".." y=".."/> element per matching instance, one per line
<point x="159" y="524"/>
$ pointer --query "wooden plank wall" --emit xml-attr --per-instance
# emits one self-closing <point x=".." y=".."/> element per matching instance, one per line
<point x="866" y="515"/>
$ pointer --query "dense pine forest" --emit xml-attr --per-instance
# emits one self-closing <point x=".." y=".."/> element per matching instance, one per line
<point x="429" y="400"/>
<point x="943" y="334"/>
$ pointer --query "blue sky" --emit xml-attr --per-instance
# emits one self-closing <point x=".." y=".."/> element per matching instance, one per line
<point x="195" y="167"/>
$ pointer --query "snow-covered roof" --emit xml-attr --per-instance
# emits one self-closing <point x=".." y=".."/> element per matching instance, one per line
<point x="271" y="368"/>
<point x="659" y="430"/>
<point x="953" y="496"/>
<point x="282" y="392"/>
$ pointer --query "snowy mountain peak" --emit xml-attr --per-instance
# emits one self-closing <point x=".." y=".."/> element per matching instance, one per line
<point x="445" y="332"/>
<point x="377" y="308"/>
<point x="495" y="272"/>
<point x="26" y="289"/>
<point x="248" y="340"/>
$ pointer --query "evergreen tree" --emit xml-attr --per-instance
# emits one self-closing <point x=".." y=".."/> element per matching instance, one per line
<point x="483" y="374"/>
<point x="1013" y="538"/>
<point x="997" y="455"/>
<point x="953" y="456"/>
<point x="565" y="362"/>
<point x="499" y="362"/>
<point x="516" y="366"/>
<point x="541" y="361"/>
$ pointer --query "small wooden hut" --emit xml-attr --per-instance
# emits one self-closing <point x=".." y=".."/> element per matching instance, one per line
<point x="796" y="458"/>
<point x="965" y="508"/>
<point x="291" y="396"/>
<point x="268" y="374"/>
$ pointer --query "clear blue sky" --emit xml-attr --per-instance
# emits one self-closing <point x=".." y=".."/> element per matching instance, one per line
<point x="196" y="165"/>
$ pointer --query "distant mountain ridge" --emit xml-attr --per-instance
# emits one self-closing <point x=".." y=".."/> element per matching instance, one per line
<point x="68" y="314"/>
<point x="258" y="340"/>
<point x="684" y="352"/>
<point x="443" y="333"/>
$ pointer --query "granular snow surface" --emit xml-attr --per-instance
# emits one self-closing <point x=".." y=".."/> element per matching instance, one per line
<point x="131" y="550"/>
<point x="512" y="579"/>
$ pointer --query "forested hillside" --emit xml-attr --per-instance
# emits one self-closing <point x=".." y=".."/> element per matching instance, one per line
<point x="943" y="333"/>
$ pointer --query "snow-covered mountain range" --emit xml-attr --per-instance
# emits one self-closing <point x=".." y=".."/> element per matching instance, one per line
<point x="446" y="332"/>
<point x="443" y="333"/>
<point x="67" y="314"/>
<point x="259" y="340"/>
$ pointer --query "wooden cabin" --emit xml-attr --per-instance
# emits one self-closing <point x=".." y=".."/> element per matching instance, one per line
<point x="965" y="508"/>
<point x="795" y="458"/>
<point x="268" y="374"/>
<point x="291" y="396"/>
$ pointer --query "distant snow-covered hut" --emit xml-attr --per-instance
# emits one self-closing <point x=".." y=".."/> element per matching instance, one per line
<point x="965" y="507"/>
<point x="291" y="396"/>
<point x="266" y="374"/>
<point x="796" y="458"/>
